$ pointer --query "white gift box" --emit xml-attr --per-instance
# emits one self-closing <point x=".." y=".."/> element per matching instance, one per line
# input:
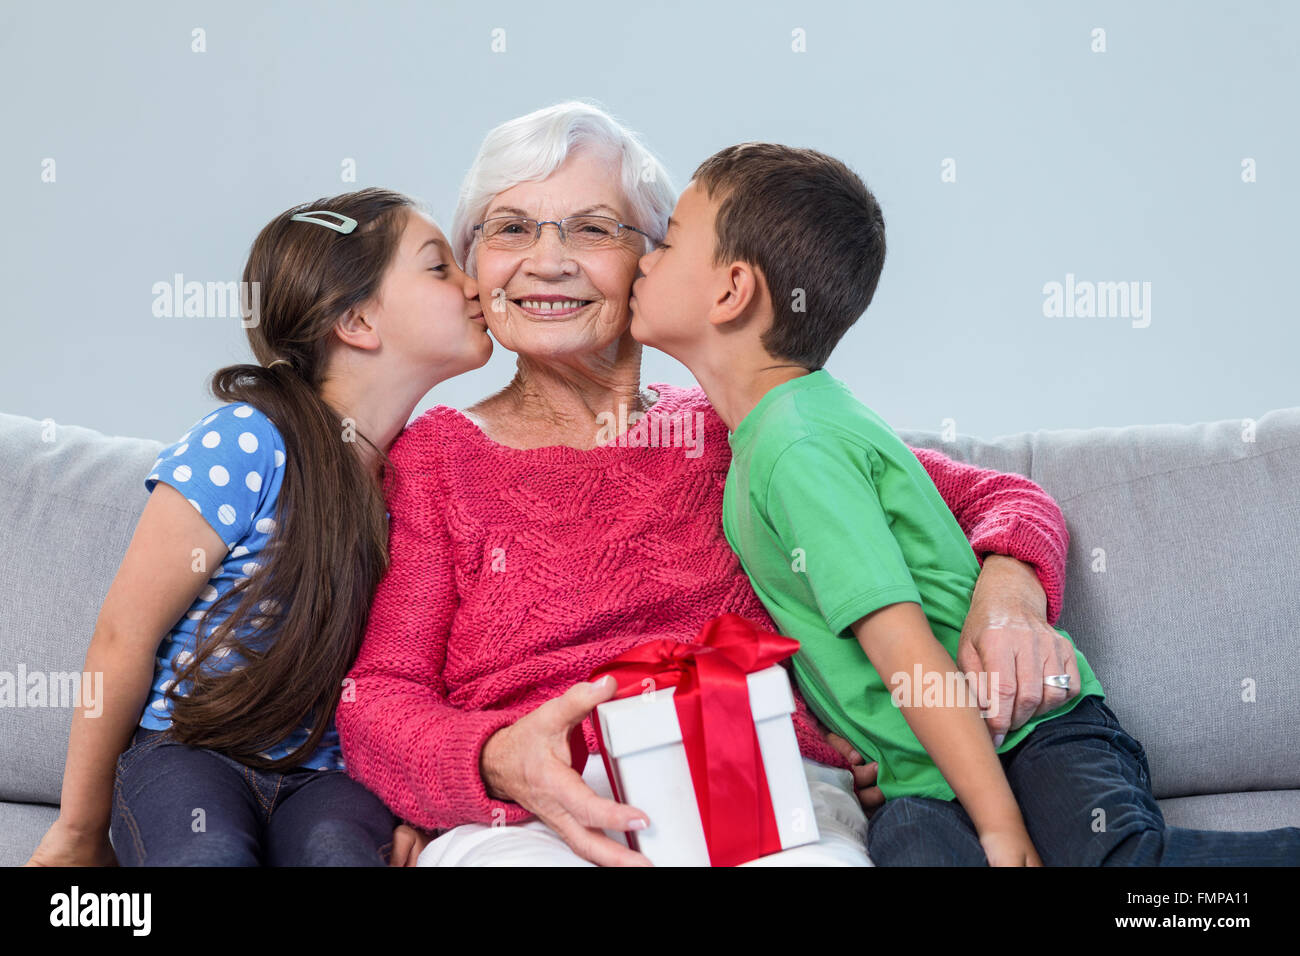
<point x="643" y="741"/>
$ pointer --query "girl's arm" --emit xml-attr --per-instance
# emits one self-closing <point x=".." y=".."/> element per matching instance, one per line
<point x="896" y="638"/>
<point x="1005" y="513"/>
<point x="156" y="583"/>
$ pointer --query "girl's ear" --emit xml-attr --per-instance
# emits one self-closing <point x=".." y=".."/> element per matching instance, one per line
<point x="355" y="329"/>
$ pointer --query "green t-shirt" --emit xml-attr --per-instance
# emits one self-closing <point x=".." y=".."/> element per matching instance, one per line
<point x="833" y="517"/>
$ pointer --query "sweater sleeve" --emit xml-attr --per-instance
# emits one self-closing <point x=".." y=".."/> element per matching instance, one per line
<point x="1005" y="513"/>
<point x="400" y="735"/>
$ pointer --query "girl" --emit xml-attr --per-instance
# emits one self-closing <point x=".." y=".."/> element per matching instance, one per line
<point x="265" y="533"/>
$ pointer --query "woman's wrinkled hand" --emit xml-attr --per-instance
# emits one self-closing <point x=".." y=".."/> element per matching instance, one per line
<point x="528" y="763"/>
<point x="1007" y="637"/>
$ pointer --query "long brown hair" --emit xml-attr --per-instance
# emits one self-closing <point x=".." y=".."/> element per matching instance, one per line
<point x="302" y="614"/>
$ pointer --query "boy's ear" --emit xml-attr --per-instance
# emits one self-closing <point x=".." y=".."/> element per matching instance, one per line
<point x="743" y="292"/>
<point x="354" y="328"/>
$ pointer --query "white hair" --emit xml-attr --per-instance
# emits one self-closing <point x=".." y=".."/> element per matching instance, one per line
<point x="531" y="147"/>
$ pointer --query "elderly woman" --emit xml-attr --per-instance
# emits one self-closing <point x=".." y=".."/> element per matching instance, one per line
<point x="575" y="514"/>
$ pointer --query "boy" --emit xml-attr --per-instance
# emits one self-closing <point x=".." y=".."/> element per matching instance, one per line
<point x="771" y="255"/>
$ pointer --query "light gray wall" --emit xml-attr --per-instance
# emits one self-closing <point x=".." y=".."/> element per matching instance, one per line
<point x="1123" y="165"/>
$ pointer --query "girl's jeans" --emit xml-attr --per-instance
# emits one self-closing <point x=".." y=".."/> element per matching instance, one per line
<point x="1084" y="790"/>
<point x="177" y="805"/>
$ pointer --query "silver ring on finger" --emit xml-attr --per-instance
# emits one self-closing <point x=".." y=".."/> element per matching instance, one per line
<point x="1057" y="680"/>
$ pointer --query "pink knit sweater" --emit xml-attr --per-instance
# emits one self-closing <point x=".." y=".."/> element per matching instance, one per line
<point x="515" y="572"/>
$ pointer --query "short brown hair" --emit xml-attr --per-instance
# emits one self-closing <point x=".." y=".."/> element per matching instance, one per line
<point x="809" y="223"/>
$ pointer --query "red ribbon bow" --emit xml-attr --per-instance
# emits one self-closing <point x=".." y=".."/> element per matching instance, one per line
<point x="712" y="703"/>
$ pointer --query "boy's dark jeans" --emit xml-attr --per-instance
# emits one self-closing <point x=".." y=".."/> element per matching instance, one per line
<point x="177" y="805"/>
<point x="1084" y="790"/>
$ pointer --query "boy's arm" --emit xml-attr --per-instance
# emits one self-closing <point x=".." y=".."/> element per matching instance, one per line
<point x="822" y="501"/>
<point x="898" y="637"/>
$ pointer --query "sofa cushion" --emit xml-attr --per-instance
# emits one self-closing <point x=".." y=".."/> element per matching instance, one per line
<point x="69" y="501"/>
<point x="21" y="827"/>
<point x="1182" y="584"/>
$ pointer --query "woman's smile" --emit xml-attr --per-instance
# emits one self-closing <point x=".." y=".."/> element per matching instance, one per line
<point x="551" y="306"/>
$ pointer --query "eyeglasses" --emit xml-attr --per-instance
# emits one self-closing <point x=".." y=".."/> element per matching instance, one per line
<point x="579" y="232"/>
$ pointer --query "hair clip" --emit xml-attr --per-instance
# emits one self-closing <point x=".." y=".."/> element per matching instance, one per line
<point x="344" y="225"/>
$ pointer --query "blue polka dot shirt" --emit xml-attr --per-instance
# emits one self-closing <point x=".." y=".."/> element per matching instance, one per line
<point x="229" y="466"/>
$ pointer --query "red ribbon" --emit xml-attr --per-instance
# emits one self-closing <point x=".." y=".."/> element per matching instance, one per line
<point x="712" y="702"/>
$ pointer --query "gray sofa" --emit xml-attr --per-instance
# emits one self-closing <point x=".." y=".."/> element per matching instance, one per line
<point x="1183" y="590"/>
